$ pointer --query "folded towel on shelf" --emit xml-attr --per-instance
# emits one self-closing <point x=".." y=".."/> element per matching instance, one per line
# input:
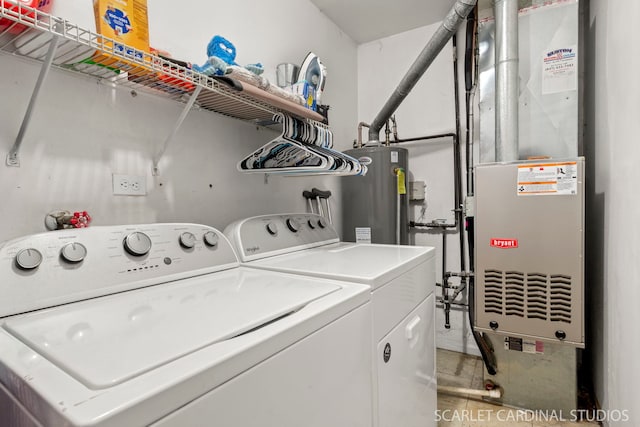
<point x="246" y="76"/>
<point x="290" y="96"/>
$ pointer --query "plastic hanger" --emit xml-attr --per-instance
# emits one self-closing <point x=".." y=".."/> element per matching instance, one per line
<point x="302" y="148"/>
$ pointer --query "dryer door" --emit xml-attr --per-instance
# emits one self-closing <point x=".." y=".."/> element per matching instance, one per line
<point x="407" y="389"/>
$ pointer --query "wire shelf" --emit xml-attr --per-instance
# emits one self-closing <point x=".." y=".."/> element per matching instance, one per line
<point x="28" y="33"/>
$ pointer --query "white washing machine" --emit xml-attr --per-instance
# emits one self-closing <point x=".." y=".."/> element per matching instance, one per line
<point x="402" y="281"/>
<point x="159" y="325"/>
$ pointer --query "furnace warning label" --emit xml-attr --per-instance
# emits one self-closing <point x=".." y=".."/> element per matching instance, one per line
<point x="548" y="179"/>
<point x="523" y="345"/>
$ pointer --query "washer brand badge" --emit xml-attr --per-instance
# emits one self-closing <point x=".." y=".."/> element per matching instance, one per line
<point x="365" y="160"/>
<point x="504" y="243"/>
<point x="252" y="250"/>
<point x="386" y="355"/>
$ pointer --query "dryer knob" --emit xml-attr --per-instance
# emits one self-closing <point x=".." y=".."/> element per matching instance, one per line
<point x="272" y="228"/>
<point x="137" y="244"/>
<point x="311" y="224"/>
<point x="322" y="223"/>
<point x="73" y="252"/>
<point x="210" y="239"/>
<point x="293" y="225"/>
<point x="187" y="240"/>
<point x="28" y="259"/>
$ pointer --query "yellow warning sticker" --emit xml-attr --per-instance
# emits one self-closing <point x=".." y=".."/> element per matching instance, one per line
<point x="402" y="188"/>
<point x="548" y="179"/>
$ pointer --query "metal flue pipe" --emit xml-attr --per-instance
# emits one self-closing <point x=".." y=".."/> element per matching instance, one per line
<point x="507" y="90"/>
<point x="447" y="29"/>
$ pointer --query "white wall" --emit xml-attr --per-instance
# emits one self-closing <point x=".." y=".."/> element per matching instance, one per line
<point x="82" y="131"/>
<point x="613" y="233"/>
<point x="429" y="109"/>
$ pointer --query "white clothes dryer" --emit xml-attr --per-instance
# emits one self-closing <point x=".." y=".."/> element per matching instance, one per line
<point x="402" y="282"/>
<point x="159" y="325"/>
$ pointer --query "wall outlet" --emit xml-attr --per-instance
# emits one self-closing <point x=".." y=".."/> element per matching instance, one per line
<point x="129" y="185"/>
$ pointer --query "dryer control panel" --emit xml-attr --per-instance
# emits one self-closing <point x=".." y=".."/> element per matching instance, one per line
<point x="58" y="267"/>
<point x="268" y="235"/>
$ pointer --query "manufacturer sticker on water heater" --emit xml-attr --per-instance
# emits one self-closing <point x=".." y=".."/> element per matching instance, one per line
<point x="547" y="179"/>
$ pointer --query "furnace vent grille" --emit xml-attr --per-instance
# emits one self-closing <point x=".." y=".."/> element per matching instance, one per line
<point x="514" y="292"/>
<point x="560" y="298"/>
<point x="531" y="295"/>
<point x="493" y="291"/>
<point x="537" y="296"/>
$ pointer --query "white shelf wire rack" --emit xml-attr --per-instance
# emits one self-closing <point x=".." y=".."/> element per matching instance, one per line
<point x="56" y="42"/>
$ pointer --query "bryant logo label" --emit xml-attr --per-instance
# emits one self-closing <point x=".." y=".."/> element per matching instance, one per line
<point x="504" y="243"/>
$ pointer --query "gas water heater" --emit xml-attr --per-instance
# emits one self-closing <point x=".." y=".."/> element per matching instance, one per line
<point x="375" y="206"/>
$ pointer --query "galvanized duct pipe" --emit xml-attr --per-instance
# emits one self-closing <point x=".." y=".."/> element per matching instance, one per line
<point x="447" y="29"/>
<point x="507" y="91"/>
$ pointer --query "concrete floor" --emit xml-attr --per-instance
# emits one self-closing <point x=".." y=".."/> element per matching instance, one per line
<point x="461" y="370"/>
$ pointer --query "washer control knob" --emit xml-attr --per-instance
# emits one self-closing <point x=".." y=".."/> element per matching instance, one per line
<point x="293" y="225"/>
<point x="311" y="224"/>
<point x="187" y="240"/>
<point x="322" y="223"/>
<point x="210" y="239"/>
<point x="272" y="228"/>
<point x="28" y="259"/>
<point x="137" y="244"/>
<point x="73" y="252"/>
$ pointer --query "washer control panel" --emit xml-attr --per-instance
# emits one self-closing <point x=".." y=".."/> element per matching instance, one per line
<point x="64" y="266"/>
<point x="269" y="235"/>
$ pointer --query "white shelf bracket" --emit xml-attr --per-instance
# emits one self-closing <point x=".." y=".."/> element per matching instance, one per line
<point x="12" y="158"/>
<point x="176" y="127"/>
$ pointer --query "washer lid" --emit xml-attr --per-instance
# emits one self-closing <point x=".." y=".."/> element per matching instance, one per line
<point x="371" y="264"/>
<point x="106" y="341"/>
